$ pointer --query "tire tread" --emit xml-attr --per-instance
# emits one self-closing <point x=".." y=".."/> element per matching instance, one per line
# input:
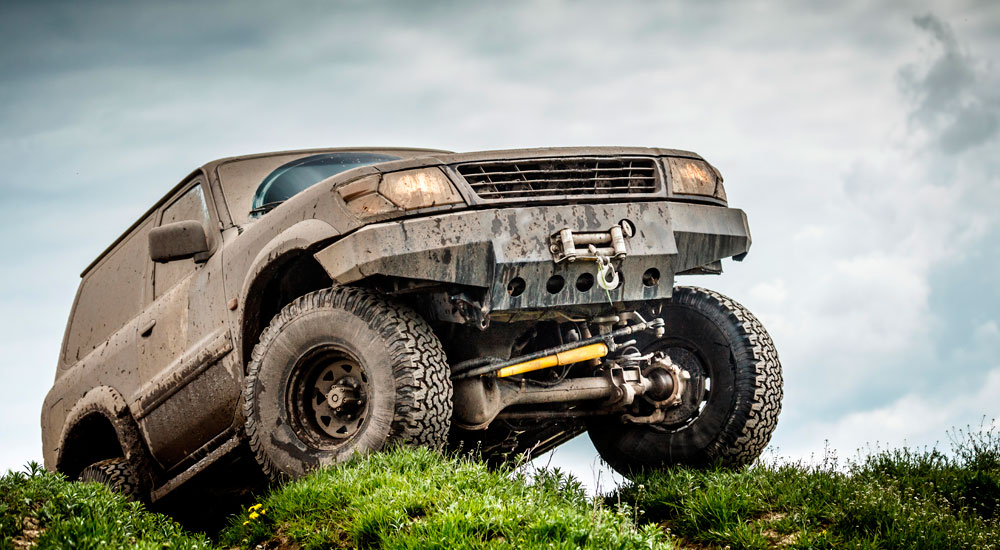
<point x="116" y="473"/>
<point x="742" y="444"/>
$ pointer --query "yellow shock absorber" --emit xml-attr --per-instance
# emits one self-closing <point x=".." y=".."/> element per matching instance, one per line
<point x="568" y="357"/>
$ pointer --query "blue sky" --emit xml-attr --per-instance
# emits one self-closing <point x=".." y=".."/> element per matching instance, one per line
<point x="860" y="138"/>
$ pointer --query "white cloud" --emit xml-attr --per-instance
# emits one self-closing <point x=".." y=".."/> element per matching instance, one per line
<point x="773" y="292"/>
<point x="914" y="420"/>
<point x="988" y="332"/>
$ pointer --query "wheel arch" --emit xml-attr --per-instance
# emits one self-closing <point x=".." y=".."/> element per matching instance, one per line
<point x="282" y="271"/>
<point x="100" y="426"/>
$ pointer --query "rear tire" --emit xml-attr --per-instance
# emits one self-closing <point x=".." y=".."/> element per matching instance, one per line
<point x="339" y="372"/>
<point x="729" y="419"/>
<point x="117" y="474"/>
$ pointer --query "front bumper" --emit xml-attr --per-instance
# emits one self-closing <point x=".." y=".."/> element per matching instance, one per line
<point x="491" y="248"/>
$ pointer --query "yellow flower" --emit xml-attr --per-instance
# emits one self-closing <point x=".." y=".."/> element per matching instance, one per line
<point x="254" y="515"/>
<point x="255" y="507"/>
<point x="247" y="522"/>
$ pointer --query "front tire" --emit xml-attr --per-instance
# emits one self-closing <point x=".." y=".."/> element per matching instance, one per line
<point x="339" y="372"/>
<point x="734" y="399"/>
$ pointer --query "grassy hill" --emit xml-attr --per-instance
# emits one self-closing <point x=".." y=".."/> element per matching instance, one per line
<point x="414" y="498"/>
<point x="890" y="499"/>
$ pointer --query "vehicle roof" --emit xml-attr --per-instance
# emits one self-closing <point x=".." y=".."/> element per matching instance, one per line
<point x="212" y="165"/>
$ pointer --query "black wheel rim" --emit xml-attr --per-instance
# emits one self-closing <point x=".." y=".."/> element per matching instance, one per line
<point x="698" y="395"/>
<point x="328" y="398"/>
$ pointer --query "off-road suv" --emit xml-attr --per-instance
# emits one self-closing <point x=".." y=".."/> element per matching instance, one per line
<point x="311" y="305"/>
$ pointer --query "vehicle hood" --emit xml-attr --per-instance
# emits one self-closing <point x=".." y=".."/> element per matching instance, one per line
<point x="438" y="159"/>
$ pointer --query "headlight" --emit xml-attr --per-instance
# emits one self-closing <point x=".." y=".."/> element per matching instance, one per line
<point x="418" y="189"/>
<point x="398" y="191"/>
<point x="695" y="177"/>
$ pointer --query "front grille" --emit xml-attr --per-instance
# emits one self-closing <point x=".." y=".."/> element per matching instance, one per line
<point x="515" y="179"/>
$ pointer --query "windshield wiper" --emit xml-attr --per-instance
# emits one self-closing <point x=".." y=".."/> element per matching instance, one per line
<point x="264" y="208"/>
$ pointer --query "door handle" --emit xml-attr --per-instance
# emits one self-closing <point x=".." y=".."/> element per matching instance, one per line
<point x="147" y="329"/>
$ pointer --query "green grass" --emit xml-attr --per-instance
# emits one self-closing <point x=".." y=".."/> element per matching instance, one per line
<point x="890" y="499"/>
<point x="43" y="509"/>
<point x="415" y="498"/>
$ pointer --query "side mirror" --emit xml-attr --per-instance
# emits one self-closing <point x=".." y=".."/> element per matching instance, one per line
<point x="176" y="241"/>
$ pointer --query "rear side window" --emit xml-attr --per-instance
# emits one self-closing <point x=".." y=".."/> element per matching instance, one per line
<point x="110" y="295"/>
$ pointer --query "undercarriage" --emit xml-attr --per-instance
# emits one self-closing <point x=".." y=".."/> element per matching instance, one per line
<point x="585" y="376"/>
<point x="652" y="371"/>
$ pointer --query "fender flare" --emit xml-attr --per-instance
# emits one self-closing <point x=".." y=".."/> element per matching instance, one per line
<point x="293" y="241"/>
<point x="108" y="402"/>
<point x="297" y="238"/>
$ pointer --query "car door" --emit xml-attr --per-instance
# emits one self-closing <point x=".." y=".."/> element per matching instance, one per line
<point x="190" y="380"/>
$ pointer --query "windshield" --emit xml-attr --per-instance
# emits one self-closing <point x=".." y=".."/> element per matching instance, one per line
<point x="292" y="178"/>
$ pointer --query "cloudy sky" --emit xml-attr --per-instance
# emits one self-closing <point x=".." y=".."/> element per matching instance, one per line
<point x="860" y="138"/>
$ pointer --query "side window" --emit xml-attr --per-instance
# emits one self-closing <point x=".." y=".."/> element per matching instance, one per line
<point x="189" y="206"/>
<point x="110" y="295"/>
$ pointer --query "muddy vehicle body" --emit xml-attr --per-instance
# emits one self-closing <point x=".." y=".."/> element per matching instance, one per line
<point x="310" y="305"/>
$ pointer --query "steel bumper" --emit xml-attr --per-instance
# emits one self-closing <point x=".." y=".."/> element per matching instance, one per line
<point x="492" y="248"/>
